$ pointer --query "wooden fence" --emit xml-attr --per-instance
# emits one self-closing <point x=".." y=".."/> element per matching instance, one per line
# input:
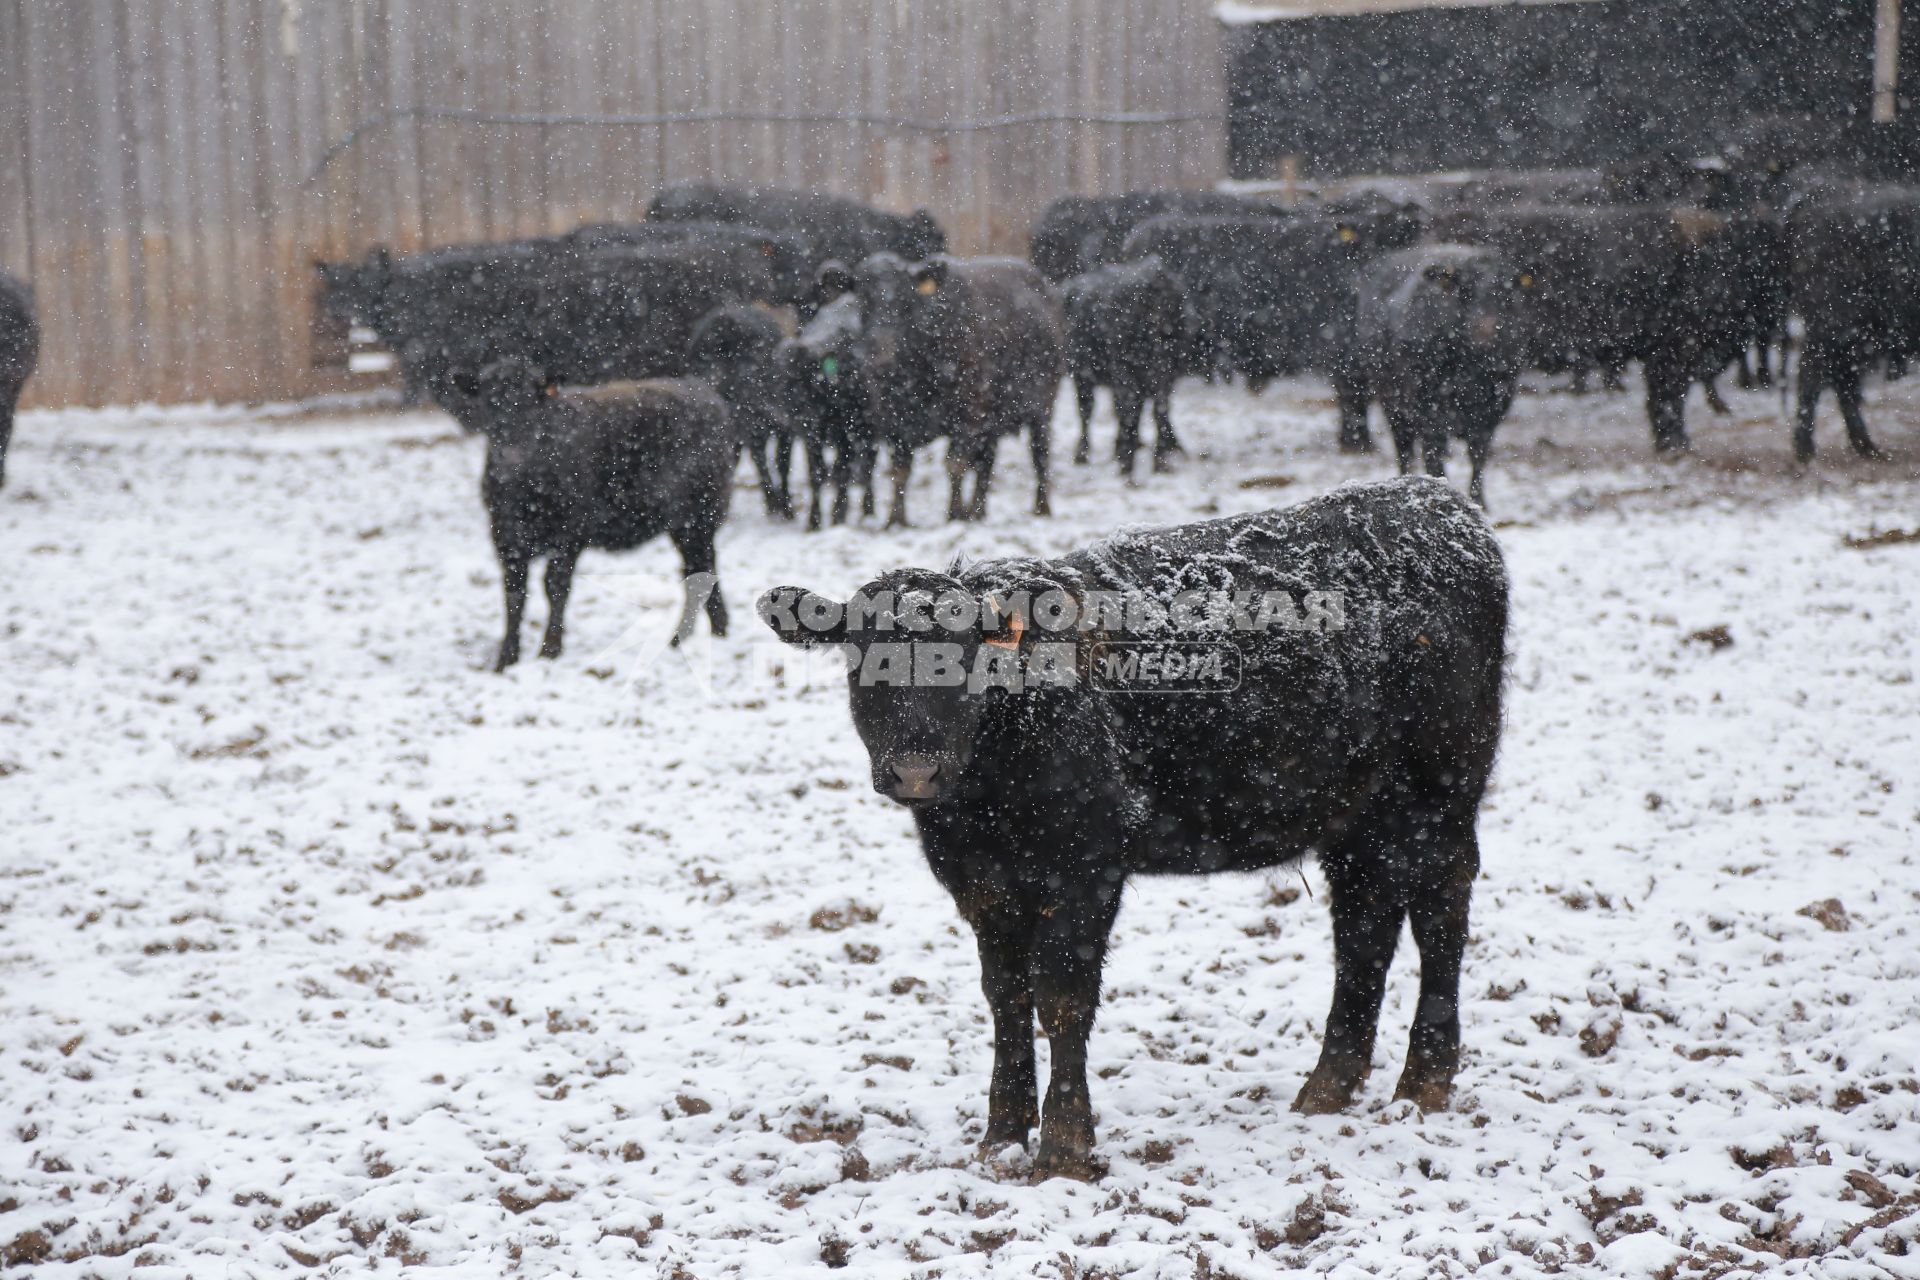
<point x="158" y="157"/>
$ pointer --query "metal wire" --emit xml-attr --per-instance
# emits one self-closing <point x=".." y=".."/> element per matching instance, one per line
<point x="352" y="137"/>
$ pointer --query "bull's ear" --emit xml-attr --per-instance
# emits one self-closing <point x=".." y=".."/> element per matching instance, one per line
<point x="931" y="276"/>
<point x="801" y="618"/>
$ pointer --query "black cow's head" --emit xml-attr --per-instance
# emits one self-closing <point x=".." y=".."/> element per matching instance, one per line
<point x="493" y="399"/>
<point x="356" y="291"/>
<point x="1471" y="298"/>
<point x="821" y="359"/>
<point x="929" y="660"/>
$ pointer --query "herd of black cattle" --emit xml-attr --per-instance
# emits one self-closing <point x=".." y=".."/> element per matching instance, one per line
<point x="809" y="319"/>
<point x="766" y="318"/>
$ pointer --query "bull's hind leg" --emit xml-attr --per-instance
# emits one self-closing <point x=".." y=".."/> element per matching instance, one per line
<point x="1437" y="910"/>
<point x="1366" y="928"/>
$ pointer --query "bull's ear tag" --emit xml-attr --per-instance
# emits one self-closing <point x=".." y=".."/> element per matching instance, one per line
<point x="1010" y="638"/>
<point x="830" y="366"/>
<point x="1348" y="235"/>
<point x="1526" y="281"/>
<point x="928" y="287"/>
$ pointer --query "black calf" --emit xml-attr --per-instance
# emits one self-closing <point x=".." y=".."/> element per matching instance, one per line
<point x="1439" y="340"/>
<point x="1127" y="329"/>
<point x="564" y="474"/>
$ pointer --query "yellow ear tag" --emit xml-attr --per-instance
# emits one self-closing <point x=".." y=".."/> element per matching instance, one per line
<point x="1526" y="282"/>
<point x="929" y="287"/>
<point x="1348" y="235"/>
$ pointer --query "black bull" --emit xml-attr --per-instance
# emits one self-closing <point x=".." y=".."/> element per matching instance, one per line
<point x="1367" y="744"/>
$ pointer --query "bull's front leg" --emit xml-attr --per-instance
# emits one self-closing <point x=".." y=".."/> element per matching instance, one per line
<point x="1069" y="948"/>
<point x="1013" y="1106"/>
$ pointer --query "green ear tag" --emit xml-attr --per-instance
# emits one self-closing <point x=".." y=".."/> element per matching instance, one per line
<point x="830" y="366"/>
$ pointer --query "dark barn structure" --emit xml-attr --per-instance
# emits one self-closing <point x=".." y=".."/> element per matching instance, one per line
<point x="1571" y="83"/>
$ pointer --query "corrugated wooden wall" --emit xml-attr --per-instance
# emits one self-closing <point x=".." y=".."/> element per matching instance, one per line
<point x="155" y="154"/>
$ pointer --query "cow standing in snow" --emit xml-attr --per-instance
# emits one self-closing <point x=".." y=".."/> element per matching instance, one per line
<point x="1362" y="734"/>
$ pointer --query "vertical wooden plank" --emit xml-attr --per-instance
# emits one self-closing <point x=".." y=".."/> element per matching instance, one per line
<point x="144" y="128"/>
<point x="63" y="272"/>
<point x="405" y="179"/>
<point x="647" y="97"/>
<point x="125" y="265"/>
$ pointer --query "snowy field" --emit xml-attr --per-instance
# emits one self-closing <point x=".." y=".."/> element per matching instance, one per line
<point x="323" y="950"/>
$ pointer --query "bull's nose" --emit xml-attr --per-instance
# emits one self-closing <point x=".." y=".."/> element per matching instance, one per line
<point x="913" y="777"/>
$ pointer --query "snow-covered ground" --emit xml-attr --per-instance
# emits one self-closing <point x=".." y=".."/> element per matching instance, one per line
<point x="324" y="948"/>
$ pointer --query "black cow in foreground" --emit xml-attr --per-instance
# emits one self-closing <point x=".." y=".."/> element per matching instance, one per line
<point x="1361" y="728"/>
<point x="19" y="354"/>
<point x="1439" y="339"/>
<point x="1128" y="326"/>
<point x="610" y="470"/>
<point x="837" y="228"/>
<point x="962" y="349"/>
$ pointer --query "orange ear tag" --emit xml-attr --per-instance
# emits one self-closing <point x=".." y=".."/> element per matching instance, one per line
<point x="928" y="287"/>
<point x="1016" y="627"/>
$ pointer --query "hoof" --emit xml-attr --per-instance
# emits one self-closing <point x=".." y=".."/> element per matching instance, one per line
<point x="999" y="1138"/>
<point x="1356" y="446"/>
<point x="1428" y="1095"/>
<point x="1873" y="453"/>
<point x="1082" y="456"/>
<point x="1322" y="1097"/>
<point x="1160" y="467"/>
<point x="1055" y="1163"/>
<point x="549" y="650"/>
<point x="505" y="660"/>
